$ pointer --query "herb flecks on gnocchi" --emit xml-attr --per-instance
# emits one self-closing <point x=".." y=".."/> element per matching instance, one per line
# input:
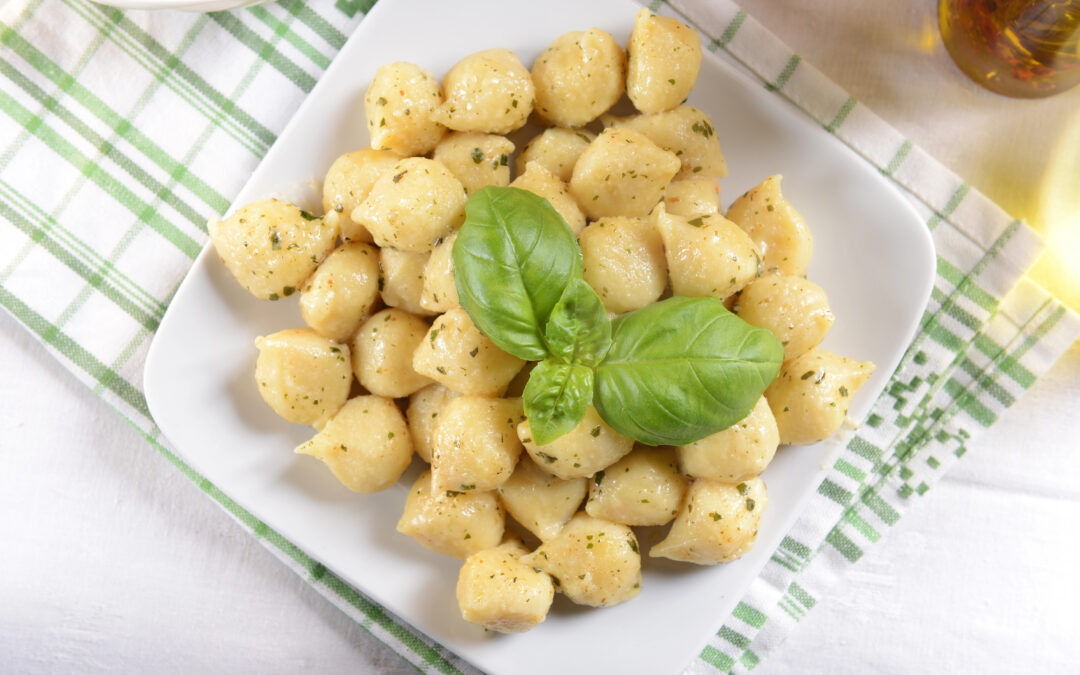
<point x="643" y="488"/>
<point x="489" y="91"/>
<point x="303" y="376"/>
<point x="450" y="522"/>
<point x="578" y="77"/>
<point x="707" y="256"/>
<point x="717" y="522"/>
<point x="737" y="453"/>
<point x="621" y="173"/>
<point x="271" y="247"/>
<point x="499" y="592"/>
<point x="541" y="502"/>
<point x="348" y="182"/>
<point x="457" y="355"/>
<point x="685" y="131"/>
<point x="596" y="561"/>
<point x="413" y="206"/>
<point x="811" y="396"/>
<point x="399" y="106"/>
<point x="473" y="446"/>
<point x="778" y="230"/>
<point x="342" y="291"/>
<point x="366" y="444"/>
<point x="664" y="57"/>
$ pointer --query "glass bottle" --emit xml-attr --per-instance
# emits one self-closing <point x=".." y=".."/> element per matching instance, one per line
<point x="1020" y="48"/>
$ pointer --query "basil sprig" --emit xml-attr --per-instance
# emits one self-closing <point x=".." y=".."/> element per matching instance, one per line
<point x="667" y="374"/>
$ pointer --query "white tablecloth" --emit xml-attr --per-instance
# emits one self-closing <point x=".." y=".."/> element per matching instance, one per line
<point x="115" y="561"/>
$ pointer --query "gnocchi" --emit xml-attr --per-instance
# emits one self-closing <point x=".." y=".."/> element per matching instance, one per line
<point x="811" y="395"/>
<point x="717" y="522"/>
<point x="596" y="561"/>
<point x="271" y="247"/>
<point x="453" y="523"/>
<point x="366" y="444"/>
<point x="499" y="592"/>
<point x="489" y="91"/>
<point x="579" y="76"/>
<point x="664" y="57"/>
<point x="399" y="106"/>
<point x="304" y="377"/>
<point x="413" y="206"/>
<point x="341" y="291"/>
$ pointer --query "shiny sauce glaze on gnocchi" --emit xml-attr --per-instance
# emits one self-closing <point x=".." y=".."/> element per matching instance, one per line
<point x="401" y="361"/>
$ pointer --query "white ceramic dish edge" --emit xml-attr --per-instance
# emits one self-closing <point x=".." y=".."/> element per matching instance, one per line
<point x="260" y="481"/>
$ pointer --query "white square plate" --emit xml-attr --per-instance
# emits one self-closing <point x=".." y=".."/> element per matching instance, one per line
<point x="872" y="254"/>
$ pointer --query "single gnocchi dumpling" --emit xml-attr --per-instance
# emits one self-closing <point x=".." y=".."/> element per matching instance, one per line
<point x="811" y="396"/>
<point x="271" y="247"/>
<point x="596" y="561"/>
<point x="541" y="502"/>
<point x="423" y="412"/>
<point x="348" y="182"/>
<point x="643" y="488"/>
<point x="499" y="592"/>
<point x="621" y="173"/>
<point x="707" y="256"/>
<point x="474" y="447"/>
<point x="582" y="451"/>
<point x="338" y="296"/>
<point x="541" y="182"/>
<point x="382" y="353"/>
<point x="737" y="453"/>
<point x="303" y="376"/>
<point x="401" y="279"/>
<point x="664" y="57"/>
<point x="686" y="131"/>
<point x="439" y="293"/>
<point x="456" y="354"/>
<point x="717" y="522"/>
<point x="694" y="197"/>
<point x="477" y="159"/>
<point x="489" y="91"/>
<point x="624" y="262"/>
<point x="453" y="523"/>
<point x="366" y="445"/>
<point x="413" y="206"/>
<point x="778" y="230"/>
<point x="795" y="310"/>
<point x="579" y="76"/>
<point x="399" y="106"/>
<point x="556" y="149"/>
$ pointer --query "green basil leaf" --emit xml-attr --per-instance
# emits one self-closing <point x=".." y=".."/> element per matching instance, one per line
<point x="556" y="398"/>
<point x="578" y="330"/>
<point x="513" y="258"/>
<point x="682" y="369"/>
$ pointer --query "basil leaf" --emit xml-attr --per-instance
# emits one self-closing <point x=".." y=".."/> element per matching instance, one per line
<point x="512" y="259"/>
<point x="578" y="330"/>
<point x="556" y="398"/>
<point x="682" y="369"/>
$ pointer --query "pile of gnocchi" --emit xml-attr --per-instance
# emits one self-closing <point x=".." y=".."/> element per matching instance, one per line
<point x="390" y="366"/>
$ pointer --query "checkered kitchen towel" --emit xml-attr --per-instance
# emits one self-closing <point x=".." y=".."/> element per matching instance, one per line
<point x="120" y="133"/>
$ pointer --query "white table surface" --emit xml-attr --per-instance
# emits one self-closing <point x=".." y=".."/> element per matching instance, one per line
<point x="113" y="561"/>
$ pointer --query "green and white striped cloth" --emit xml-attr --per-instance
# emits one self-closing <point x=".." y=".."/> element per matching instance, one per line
<point x="121" y="132"/>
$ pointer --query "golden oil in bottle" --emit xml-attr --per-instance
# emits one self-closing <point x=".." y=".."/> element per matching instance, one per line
<point x="1020" y="48"/>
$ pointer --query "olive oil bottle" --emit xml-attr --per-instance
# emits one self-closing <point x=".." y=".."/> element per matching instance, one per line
<point x="1019" y="48"/>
